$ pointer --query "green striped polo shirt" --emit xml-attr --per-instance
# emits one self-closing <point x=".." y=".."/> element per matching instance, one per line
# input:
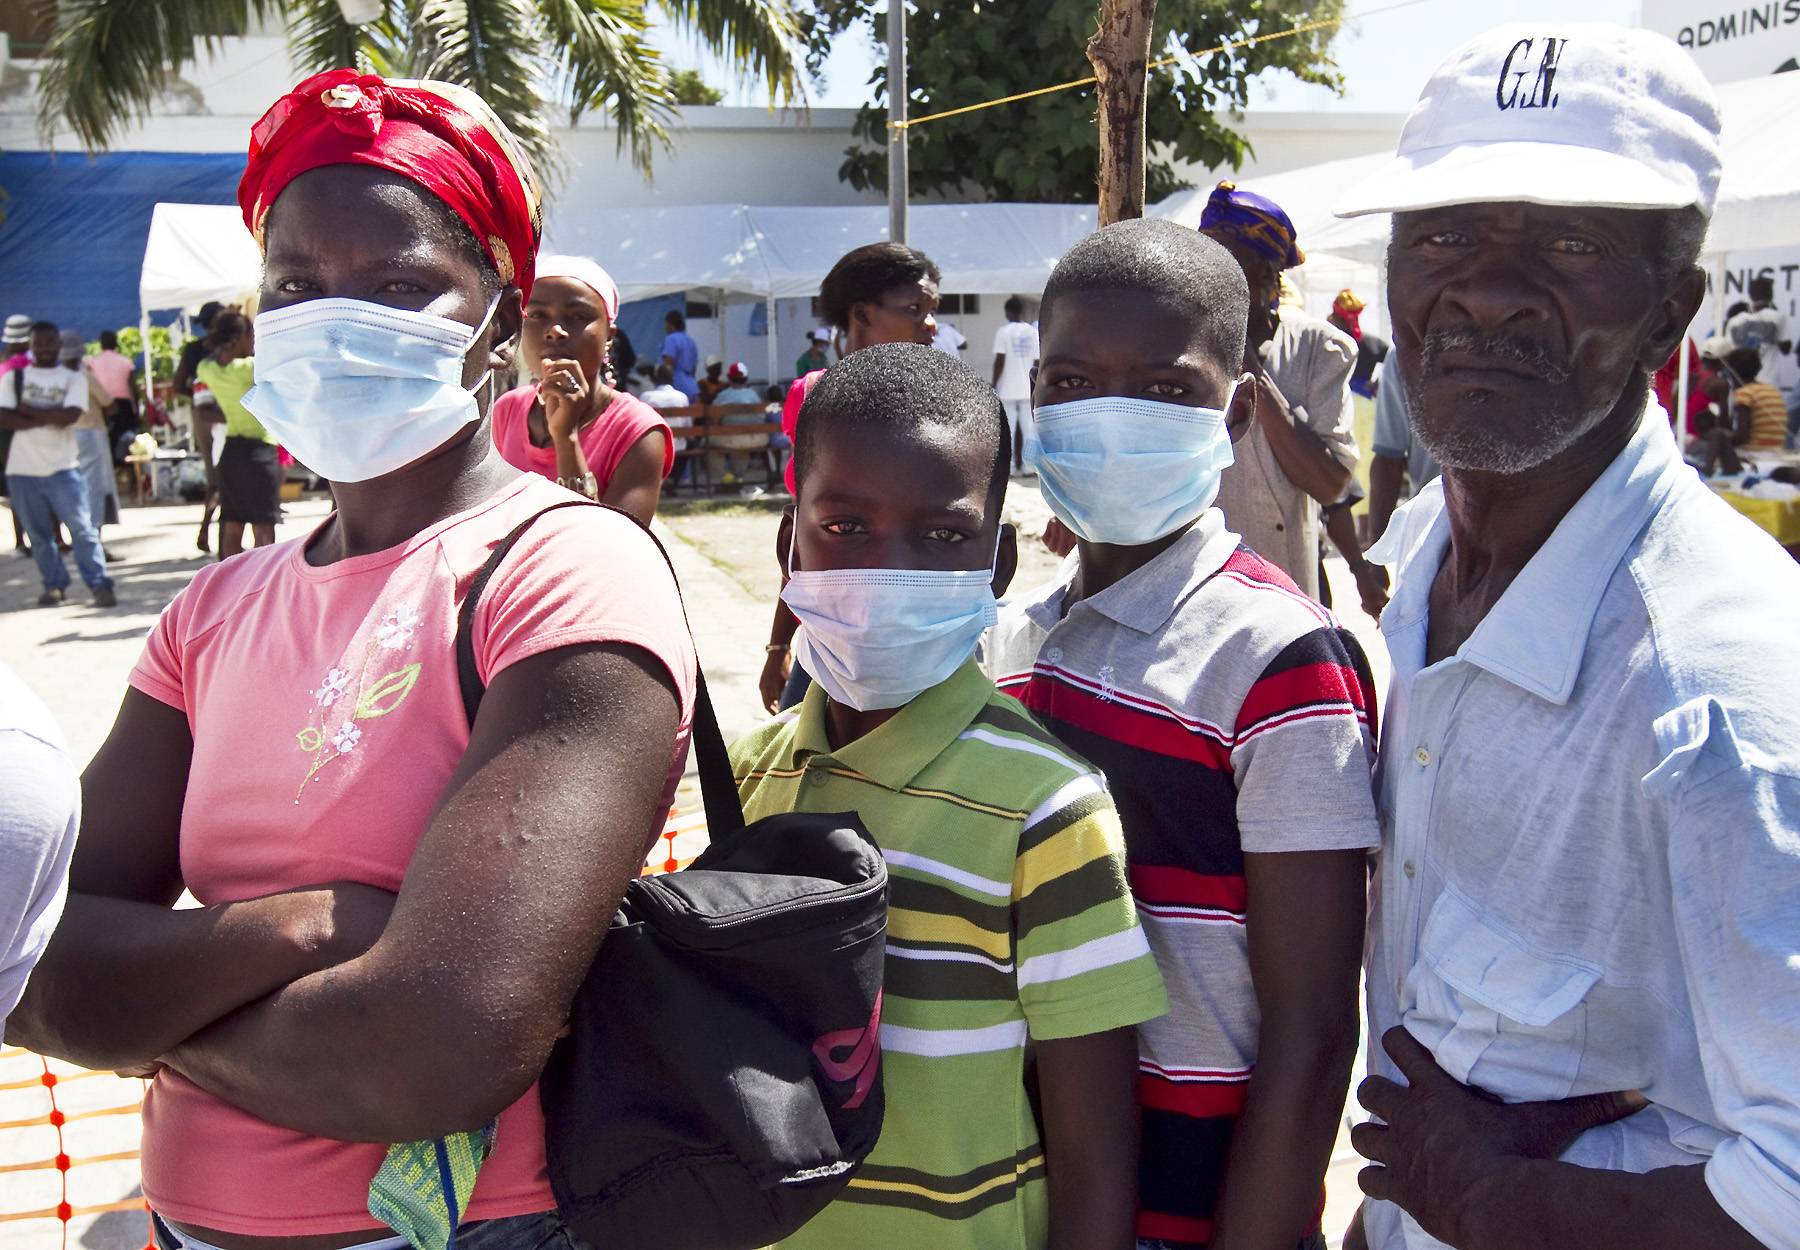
<point x="1009" y="921"/>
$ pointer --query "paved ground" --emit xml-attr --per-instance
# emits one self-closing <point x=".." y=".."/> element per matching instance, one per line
<point x="77" y="658"/>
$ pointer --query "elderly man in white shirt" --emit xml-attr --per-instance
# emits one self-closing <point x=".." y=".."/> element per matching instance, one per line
<point x="1584" y="951"/>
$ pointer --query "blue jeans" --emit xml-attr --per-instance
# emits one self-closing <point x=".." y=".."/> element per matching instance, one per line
<point x="40" y="503"/>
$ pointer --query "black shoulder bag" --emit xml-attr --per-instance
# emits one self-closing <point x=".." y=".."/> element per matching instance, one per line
<point x="721" y="1079"/>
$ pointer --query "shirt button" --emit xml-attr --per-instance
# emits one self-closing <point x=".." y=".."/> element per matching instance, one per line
<point x="816" y="776"/>
<point x="1422" y="756"/>
<point x="1409" y="869"/>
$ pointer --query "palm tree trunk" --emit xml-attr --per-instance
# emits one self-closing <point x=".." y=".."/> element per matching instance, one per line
<point x="1120" y="54"/>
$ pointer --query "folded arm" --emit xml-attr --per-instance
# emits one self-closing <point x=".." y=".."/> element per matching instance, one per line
<point x="126" y="976"/>
<point x="450" y="1015"/>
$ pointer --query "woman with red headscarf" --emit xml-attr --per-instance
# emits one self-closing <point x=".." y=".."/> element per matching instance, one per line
<point x="399" y="897"/>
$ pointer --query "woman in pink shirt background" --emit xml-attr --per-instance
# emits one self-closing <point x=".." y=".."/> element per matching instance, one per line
<point x="573" y="425"/>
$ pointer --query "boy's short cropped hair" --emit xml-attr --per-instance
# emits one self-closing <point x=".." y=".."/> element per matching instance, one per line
<point x="1168" y="263"/>
<point x="905" y="387"/>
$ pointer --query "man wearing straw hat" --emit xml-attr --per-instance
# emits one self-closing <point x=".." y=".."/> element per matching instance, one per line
<point x="1584" y="971"/>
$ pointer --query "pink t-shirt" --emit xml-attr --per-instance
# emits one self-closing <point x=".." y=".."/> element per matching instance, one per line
<point x="604" y="442"/>
<point x="114" y="372"/>
<point x="790" y="416"/>
<point x="327" y="718"/>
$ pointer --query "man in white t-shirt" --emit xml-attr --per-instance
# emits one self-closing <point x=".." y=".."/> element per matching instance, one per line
<point x="1015" y="356"/>
<point x="41" y="404"/>
<point x="1766" y="328"/>
<point x="949" y="339"/>
<point x="663" y="396"/>
<point x="40" y="810"/>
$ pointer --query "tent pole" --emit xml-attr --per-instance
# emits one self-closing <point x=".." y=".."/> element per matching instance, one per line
<point x="773" y="345"/>
<point x="149" y="378"/>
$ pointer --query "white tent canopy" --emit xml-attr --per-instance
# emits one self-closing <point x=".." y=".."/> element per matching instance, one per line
<point x="785" y="252"/>
<point x="197" y="252"/>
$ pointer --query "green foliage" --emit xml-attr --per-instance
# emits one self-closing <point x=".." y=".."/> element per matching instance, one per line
<point x="690" y="88"/>
<point x="163" y="350"/>
<point x="963" y="52"/>
<point x="111" y="59"/>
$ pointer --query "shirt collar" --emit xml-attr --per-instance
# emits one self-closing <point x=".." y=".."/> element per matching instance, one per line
<point x="900" y="749"/>
<point x="1142" y="600"/>
<point x="1536" y="635"/>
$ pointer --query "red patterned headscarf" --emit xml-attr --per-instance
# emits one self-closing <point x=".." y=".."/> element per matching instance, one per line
<point x="439" y="135"/>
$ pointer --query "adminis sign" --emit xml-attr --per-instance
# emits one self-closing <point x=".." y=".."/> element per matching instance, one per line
<point x="1731" y="41"/>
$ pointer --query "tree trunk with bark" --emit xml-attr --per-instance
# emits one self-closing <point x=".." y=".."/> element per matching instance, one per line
<point x="1120" y="55"/>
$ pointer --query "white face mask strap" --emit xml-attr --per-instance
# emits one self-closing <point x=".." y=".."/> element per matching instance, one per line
<point x="487" y="374"/>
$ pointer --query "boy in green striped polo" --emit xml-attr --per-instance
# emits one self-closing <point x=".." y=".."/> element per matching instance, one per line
<point x="1014" y="955"/>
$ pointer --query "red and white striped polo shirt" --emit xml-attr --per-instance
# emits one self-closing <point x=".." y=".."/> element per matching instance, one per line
<point x="1230" y="714"/>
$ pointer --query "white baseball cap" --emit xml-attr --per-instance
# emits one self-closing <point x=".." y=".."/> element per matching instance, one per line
<point x="1584" y="114"/>
<point x="18" y="329"/>
<point x="821" y="335"/>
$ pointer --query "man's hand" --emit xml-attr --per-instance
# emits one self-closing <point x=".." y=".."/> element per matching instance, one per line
<point x="774" y="679"/>
<point x="1445" y="1145"/>
<point x="1372" y="586"/>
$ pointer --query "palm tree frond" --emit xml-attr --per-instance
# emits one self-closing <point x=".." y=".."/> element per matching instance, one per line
<point x="319" y="37"/>
<point x="110" y="59"/>
<point x="758" y="35"/>
<point x="492" y="47"/>
<point x="602" y="59"/>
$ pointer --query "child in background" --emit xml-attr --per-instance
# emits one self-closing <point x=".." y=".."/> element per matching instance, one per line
<point x="1234" y="721"/>
<point x="1011" y="934"/>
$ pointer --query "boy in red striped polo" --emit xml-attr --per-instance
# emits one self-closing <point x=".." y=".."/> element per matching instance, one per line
<point x="1234" y="720"/>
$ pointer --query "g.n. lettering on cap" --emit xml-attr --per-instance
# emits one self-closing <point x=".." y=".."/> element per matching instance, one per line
<point x="1579" y="114"/>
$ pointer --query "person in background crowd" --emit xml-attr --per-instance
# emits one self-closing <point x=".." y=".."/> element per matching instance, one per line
<point x="40" y="810"/>
<point x="1399" y="461"/>
<point x="681" y="355"/>
<point x="571" y="424"/>
<point x="1764" y="329"/>
<point x="401" y="897"/>
<point x="624" y="358"/>
<point x="15" y="353"/>
<point x="1587" y="904"/>
<point x="1233" y="719"/>
<point x="877" y="293"/>
<point x="209" y="422"/>
<point x="949" y="339"/>
<point x="41" y="404"/>
<point x="722" y="451"/>
<point x="1008" y="1071"/>
<point x="1667" y="377"/>
<point x="250" y="470"/>
<point x="780" y="445"/>
<point x="94" y="454"/>
<point x="114" y="371"/>
<point x="817" y="354"/>
<point x="1752" y="414"/>
<point x="1015" y="356"/>
<point x="662" y="396"/>
<point x="1371" y="348"/>
<point x="1298" y="448"/>
<point x="714" y="381"/>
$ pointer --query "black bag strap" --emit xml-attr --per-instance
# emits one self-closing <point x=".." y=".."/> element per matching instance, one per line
<point x="718" y="789"/>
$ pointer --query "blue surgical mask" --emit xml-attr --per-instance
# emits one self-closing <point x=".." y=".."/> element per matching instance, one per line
<point x="1129" y="471"/>
<point x="355" y="390"/>
<point x="878" y="638"/>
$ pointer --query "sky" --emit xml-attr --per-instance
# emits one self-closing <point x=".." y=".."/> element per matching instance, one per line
<point x="1385" y="56"/>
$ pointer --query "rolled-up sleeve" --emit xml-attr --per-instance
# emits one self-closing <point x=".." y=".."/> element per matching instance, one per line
<point x="1734" y="861"/>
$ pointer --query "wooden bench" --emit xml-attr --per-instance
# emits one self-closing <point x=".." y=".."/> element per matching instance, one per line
<point x="708" y="423"/>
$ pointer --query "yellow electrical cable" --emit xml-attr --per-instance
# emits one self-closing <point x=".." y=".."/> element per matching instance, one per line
<point x="1161" y="63"/>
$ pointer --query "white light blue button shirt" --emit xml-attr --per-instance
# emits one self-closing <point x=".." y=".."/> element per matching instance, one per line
<point x="1590" y="868"/>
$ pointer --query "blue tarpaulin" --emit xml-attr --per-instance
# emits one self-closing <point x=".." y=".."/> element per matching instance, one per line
<point x="72" y="244"/>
